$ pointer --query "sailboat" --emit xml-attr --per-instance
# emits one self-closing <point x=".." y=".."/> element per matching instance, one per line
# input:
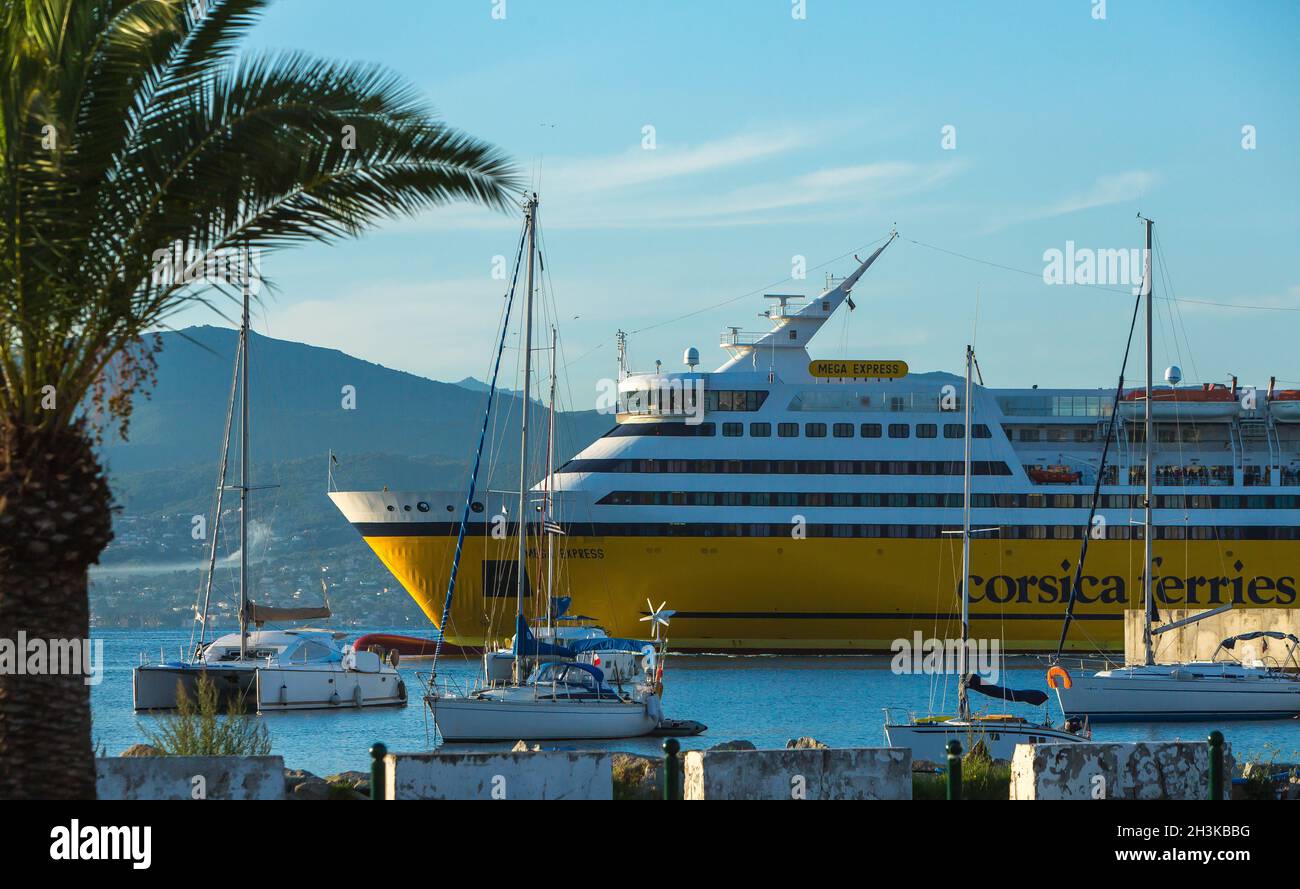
<point x="547" y="695"/>
<point x="289" y="669"/>
<point x="573" y="637"/>
<point x="928" y="736"/>
<point x="1176" y="692"/>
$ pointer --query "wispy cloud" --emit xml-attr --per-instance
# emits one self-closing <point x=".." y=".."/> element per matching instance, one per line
<point x="719" y="183"/>
<point x="1116" y="188"/>
<point x="1106" y="190"/>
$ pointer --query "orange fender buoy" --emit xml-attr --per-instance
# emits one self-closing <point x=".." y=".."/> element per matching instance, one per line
<point x="1056" y="673"/>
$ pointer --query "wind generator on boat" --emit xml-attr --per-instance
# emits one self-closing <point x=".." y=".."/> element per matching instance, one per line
<point x="269" y="670"/>
<point x="928" y="736"/>
<point x="1176" y="692"/>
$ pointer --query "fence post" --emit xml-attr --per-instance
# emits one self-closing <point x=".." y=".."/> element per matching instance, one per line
<point x="1216" y="765"/>
<point x="954" y="769"/>
<point x="377" y="753"/>
<point x="672" y="771"/>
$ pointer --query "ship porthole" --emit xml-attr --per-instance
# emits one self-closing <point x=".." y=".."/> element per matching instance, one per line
<point x="406" y="508"/>
<point x="422" y="506"/>
<point x="476" y="506"/>
<point x="391" y="508"/>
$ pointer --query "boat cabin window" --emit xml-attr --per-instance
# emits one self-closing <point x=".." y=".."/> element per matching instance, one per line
<point x="899" y="430"/>
<point x="926" y="430"/>
<point x="564" y="674"/>
<point x="869" y="430"/>
<point x="787" y="430"/>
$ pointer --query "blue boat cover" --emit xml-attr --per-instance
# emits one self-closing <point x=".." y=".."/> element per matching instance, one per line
<point x="527" y="644"/>
<point x="1015" y="696"/>
<point x="606" y="643"/>
<point x="1271" y="634"/>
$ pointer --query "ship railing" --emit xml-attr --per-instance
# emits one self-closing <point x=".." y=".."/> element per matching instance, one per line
<point x="736" y="337"/>
<point x="443" y="686"/>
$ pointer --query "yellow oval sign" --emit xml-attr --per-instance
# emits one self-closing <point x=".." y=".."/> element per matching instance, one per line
<point x="835" y="367"/>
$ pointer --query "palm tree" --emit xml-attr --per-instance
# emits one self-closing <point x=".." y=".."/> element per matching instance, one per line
<point x="130" y="130"/>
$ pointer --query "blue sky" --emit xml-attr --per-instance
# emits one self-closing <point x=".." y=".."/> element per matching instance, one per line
<point x="778" y="137"/>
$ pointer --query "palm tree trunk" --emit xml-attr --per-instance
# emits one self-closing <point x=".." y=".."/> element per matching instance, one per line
<point x="55" y="520"/>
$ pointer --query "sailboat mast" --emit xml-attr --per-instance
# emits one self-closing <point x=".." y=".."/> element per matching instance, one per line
<point x="522" y="565"/>
<point x="550" y="502"/>
<point x="963" y="705"/>
<point x="243" y="469"/>
<point x="1146" y="510"/>
<point x="221" y="490"/>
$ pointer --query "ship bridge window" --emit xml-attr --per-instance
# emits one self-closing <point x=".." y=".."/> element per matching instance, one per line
<point x="842" y="430"/>
<point x="760" y="430"/>
<point x="869" y="430"/>
<point x="814" y="430"/>
<point x="926" y="430"/>
<point x="734" y="399"/>
<point x="787" y="430"/>
<point x="899" y="430"/>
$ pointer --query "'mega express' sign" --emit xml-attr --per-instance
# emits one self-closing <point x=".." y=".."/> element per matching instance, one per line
<point x="835" y="367"/>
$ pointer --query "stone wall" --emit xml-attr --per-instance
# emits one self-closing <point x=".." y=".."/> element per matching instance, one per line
<point x="189" y="777"/>
<point x="1141" y="770"/>
<point x="544" y="774"/>
<point x="1197" y="642"/>
<point x="849" y="773"/>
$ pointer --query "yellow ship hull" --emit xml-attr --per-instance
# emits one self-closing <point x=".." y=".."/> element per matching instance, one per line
<point x="838" y="595"/>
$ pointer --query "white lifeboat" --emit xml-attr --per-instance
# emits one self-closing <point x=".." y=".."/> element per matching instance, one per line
<point x="1285" y="406"/>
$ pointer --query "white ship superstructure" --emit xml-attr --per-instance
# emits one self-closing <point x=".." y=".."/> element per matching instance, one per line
<point x="780" y="510"/>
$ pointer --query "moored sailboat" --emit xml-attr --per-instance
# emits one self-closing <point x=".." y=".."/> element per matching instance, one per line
<point x="266" y="670"/>
<point x="1174" y="692"/>
<point x="546" y="695"/>
<point x="928" y="736"/>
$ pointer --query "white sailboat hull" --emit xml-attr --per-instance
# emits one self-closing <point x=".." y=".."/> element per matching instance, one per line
<point x="929" y="740"/>
<point x="1181" y="693"/>
<point x="308" y="689"/>
<point x="488" y="719"/>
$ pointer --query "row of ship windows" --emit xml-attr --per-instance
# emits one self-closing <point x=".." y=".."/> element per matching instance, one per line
<point x="792" y="430"/>
<point x="899" y="500"/>
<point x="1005" y="532"/>
<point x="682" y="399"/>
<point x="789" y="467"/>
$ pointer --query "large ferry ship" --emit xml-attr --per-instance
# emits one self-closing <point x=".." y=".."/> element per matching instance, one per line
<point x="781" y="504"/>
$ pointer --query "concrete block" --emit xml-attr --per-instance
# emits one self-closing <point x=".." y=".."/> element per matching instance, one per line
<point x="190" y="777"/>
<point x="810" y="773"/>
<point x="1135" y="770"/>
<point x="543" y="774"/>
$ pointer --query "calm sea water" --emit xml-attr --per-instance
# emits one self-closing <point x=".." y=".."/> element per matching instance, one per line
<point x="766" y="700"/>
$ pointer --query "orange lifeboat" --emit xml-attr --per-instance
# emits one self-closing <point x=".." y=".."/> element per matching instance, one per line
<point x="1210" y="401"/>
<point x="1285" y="406"/>
<point x="1053" y="475"/>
